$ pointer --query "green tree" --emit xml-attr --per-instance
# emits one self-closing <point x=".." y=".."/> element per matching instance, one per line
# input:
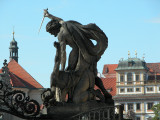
<point x="156" y="109"/>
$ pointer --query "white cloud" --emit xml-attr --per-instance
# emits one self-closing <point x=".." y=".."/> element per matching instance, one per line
<point x="154" y="20"/>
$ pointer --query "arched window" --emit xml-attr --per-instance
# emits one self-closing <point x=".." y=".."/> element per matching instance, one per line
<point x="13" y="53"/>
<point x="129" y="78"/>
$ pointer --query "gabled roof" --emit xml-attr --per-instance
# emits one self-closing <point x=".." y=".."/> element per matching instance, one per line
<point x="21" y="78"/>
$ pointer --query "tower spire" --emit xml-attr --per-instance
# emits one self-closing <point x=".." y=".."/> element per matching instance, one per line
<point x="13" y="49"/>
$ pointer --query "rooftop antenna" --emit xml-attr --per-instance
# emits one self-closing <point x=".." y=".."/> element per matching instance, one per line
<point x="128" y="54"/>
<point x="136" y="53"/>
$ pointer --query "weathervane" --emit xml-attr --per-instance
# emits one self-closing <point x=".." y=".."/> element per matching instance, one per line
<point x="128" y="54"/>
<point x="143" y="56"/>
<point x="136" y="53"/>
<point x="13" y="32"/>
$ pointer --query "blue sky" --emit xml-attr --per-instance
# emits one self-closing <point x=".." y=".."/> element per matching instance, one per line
<point x="129" y="24"/>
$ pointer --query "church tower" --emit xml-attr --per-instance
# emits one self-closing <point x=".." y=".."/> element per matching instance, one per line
<point x="13" y="50"/>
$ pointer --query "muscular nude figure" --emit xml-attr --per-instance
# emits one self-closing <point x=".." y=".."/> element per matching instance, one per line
<point x="83" y="58"/>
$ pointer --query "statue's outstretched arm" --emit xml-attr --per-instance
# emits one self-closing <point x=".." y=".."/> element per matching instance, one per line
<point x="47" y="14"/>
<point x="63" y="54"/>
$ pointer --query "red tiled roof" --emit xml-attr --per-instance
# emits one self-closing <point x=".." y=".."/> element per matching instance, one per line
<point x="109" y="81"/>
<point x="15" y="81"/>
<point x="21" y="78"/>
<point x="109" y="68"/>
<point x="154" y="68"/>
<point x="109" y="84"/>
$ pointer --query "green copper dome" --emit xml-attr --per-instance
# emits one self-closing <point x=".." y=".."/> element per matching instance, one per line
<point x="131" y="64"/>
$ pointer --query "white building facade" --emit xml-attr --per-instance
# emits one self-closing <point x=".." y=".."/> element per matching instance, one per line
<point x="137" y="87"/>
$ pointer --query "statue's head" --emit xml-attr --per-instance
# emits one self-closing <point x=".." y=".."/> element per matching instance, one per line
<point x="53" y="27"/>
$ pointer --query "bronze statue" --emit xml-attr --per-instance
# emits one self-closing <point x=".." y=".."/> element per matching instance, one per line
<point x="79" y="78"/>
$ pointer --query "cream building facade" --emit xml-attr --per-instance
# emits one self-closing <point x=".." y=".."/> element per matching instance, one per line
<point x="138" y="87"/>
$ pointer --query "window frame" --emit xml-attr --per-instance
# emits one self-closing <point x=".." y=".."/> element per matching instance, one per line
<point x="144" y="76"/>
<point x="122" y="80"/>
<point x="122" y="89"/>
<point x="149" y="89"/>
<point x="129" y="89"/>
<point x="139" y="106"/>
<point x="129" y="78"/>
<point x="130" y="105"/>
<point x="138" y="90"/>
<point x="138" y="118"/>
<point x="123" y="105"/>
<point x="137" y="77"/>
<point x="149" y="105"/>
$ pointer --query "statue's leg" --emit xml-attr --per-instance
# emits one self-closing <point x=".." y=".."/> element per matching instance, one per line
<point x="99" y="83"/>
<point x="82" y="93"/>
<point x="108" y="96"/>
<point x="73" y="59"/>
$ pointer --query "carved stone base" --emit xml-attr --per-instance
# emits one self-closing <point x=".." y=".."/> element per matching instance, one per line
<point x="69" y="109"/>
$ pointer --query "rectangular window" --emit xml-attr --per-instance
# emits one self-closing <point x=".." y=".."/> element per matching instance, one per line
<point x="130" y="106"/>
<point x="123" y="106"/>
<point x="122" y="90"/>
<point x="138" y="106"/>
<point x="130" y="64"/>
<point x="129" y="89"/>
<point x="149" y="89"/>
<point x="137" y="78"/>
<point x="138" y="89"/>
<point x="129" y="78"/>
<point x="121" y="78"/>
<point x="138" y="118"/>
<point x="144" y="76"/>
<point x="150" y="105"/>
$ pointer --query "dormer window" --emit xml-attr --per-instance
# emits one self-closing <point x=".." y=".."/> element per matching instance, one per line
<point x="109" y="90"/>
<point x="106" y="70"/>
